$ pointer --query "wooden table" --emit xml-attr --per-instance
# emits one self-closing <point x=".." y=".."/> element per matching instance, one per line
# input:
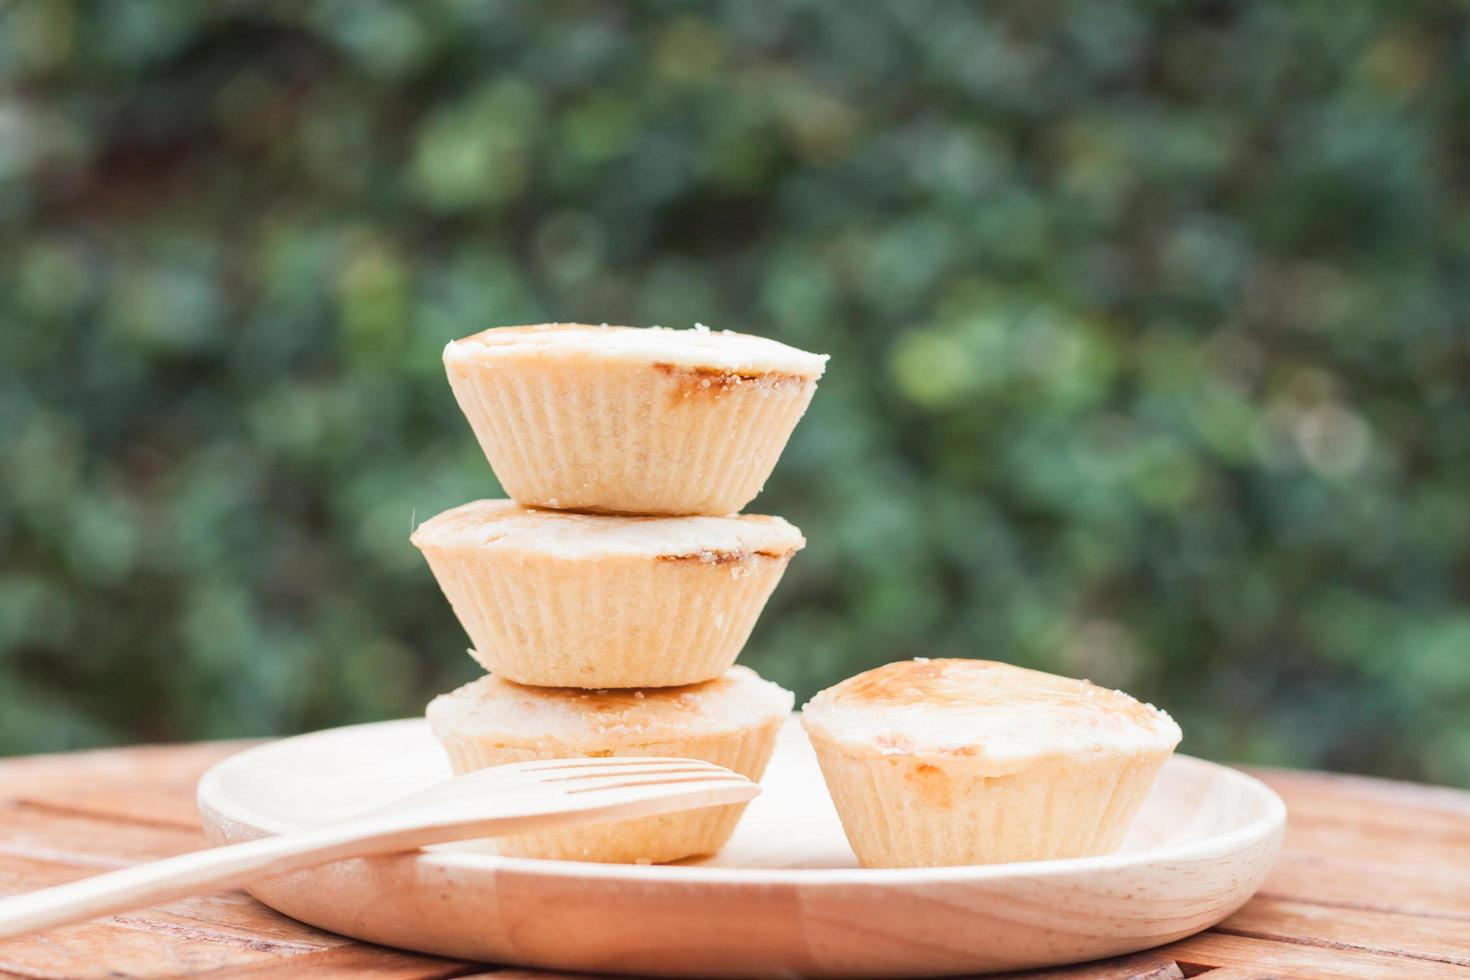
<point x="1373" y="881"/>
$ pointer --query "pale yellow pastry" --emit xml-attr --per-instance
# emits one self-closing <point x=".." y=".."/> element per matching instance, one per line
<point x="576" y="600"/>
<point x="731" y="721"/>
<point x="628" y="420"/>
<point x="941" y="762"/>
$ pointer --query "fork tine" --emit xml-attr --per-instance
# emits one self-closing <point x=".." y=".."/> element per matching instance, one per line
<point x="610" y="762"/>
<point x="729" y="779"/>
<point x="670" y="769"/>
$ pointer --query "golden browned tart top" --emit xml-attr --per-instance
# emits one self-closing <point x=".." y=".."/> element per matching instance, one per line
<point x="718" y="353"/>
<point x="607" y="720"/>
<point x="983" y="709"/>
<point x="505" y="525"/>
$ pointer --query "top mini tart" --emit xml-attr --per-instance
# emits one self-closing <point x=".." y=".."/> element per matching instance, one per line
<point x="631" y="420"/>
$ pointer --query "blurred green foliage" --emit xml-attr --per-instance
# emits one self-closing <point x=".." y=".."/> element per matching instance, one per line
<point x="1148" y="330"/>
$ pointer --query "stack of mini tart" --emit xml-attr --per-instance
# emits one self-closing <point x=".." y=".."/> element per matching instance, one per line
<point x="609" y="599"/>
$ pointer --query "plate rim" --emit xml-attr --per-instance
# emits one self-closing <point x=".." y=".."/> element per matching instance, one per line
<point x="1272" y="823"/>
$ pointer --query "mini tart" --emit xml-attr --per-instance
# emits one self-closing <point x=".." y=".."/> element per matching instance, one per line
<point x="943" y="762"/>
<point x="573" y="600"/>
<point x="629" y="420"/>
<point x="731" y="721"/>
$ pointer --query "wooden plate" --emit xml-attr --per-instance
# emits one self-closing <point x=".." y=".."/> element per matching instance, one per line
<point x="785" y="898"/>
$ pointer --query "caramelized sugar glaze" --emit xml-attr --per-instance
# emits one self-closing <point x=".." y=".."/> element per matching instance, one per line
<point x="608" y="719"/>
<point x="506" y="525"/>
<point x="985" y="709"/>
<point x="703" y="354"/>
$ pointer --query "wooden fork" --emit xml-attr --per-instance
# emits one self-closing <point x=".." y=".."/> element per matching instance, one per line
<point x="513" y="799"/>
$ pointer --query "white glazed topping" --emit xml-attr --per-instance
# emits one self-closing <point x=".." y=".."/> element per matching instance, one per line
<point x="698" y="348"/>
<point x="995" y="713"/>
<point x="507" y="526"/>
<point x="595" y="721"/>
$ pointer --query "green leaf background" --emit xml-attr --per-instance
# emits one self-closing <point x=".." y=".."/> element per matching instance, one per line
<point x="1150" y="359"/>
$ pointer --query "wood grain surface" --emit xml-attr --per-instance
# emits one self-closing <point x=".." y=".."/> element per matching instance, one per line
<point x="1374" y="881"/>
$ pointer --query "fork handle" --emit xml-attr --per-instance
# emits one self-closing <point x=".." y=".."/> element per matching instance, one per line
<point x="212" y="869"/>
<point x="383" y="831"/>
<point x="379" y="832"/>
